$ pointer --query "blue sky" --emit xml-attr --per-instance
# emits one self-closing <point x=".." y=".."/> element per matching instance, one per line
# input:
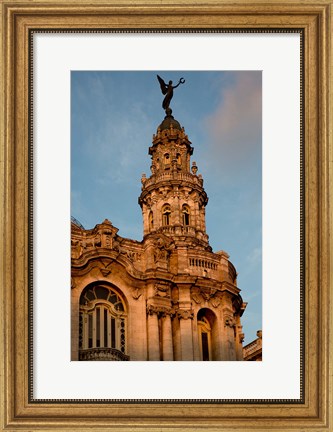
<point x="113" y="118"/>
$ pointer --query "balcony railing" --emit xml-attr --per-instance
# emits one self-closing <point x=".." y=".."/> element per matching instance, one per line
<point x="174" y="175"/>
<point x="102" y="354"/>
<point x="178" y="230"/>
<point x="253" y="348"/>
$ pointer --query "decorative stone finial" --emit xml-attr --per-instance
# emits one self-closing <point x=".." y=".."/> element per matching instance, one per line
<point x="194" y="168"/>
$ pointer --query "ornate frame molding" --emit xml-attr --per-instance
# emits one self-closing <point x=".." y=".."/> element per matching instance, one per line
<point x="18" y="410"/>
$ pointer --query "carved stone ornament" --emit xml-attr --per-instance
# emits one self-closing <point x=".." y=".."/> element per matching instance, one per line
<point x="208" y="293"/>
<point x="162" y="290"/>
<point x="91" y="242"/>
<point x="108" y="241"/>
<point x="105" y="271"/>
<point x="185" y="314"/>
<point x="241" y="337"/>
<point x="136" y="294"/>
<point x="229" y="322"/>
<point x="215" y="302"/>
<point x="196" y="298"/>
<point x="161" y="311"/>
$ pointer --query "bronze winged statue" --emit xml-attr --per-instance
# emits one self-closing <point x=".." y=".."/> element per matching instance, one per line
<point x="167" y="90"/>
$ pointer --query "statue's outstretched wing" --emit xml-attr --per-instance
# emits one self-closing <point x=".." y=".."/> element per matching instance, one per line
<point x="164" y="87"/>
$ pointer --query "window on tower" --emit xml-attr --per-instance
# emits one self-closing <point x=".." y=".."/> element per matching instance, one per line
<point x="151" y="220"/>
<point x="166" y="214"/>
<point x="186" y="215"/>
<point x="179" y="159"/>
<point x="167" y="160"/>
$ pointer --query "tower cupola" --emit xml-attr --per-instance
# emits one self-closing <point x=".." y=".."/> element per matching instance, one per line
<point x="173" y="199"/>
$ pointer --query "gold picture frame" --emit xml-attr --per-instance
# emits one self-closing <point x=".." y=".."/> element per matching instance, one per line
<point x="18" y="412"/>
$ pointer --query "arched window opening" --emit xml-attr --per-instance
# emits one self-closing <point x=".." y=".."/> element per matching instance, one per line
<point x="179" y="159"/>
<point x="206" y="334"/>
<point x="166" y="214"/>
<point x="151" y="220"/>
<point x="167" y="160"/>
<point x="102" y="325"/>
<point x="186" y="215"/>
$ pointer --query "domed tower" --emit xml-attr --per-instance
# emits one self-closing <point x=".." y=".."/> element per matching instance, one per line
<point x="193" y="302"/>
<point x="173" y="199"/>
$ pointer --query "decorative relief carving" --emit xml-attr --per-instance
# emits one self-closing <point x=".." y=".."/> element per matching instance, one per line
<point x="185" y="314"/>
<point x="229" y="322"/>
<point x="161" y="311"/>
<point x="162" y="289"/>
<point x="241" y="337"/>
<point x="105" y="271"/>
<point x="196" y="298"/>
<point x="160" y="255"/>
<point x="76" y="249"/>
<point x="91" y="242"/>
<point x="78" y="246"/>
<point x="108" y="241"/>
<point x="216" y="302"/>
<point x="136" y="293"/>
<point x="123" y="250"/>
<point x="210" y="295"/>
<point x="163" y="247"/>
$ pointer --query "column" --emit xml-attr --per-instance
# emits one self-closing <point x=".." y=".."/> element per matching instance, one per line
<point x="153" y="335"/>
<point x="239" y="339"/>
<point x="196" y="348"/>
<point x="230" y="338"/>
<point x="197" y="215"/>
<point x="167" y="344"/>
<point x="186" y="339"/>
<point x="145" y="214"/>
<point x="176" y="339"/>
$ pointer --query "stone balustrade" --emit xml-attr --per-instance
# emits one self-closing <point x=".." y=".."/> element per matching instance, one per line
<point x="173" y="175"/>
<point x="253" y="350"/>
<point x="178" y="230"/>
<point x="204" y="263"/>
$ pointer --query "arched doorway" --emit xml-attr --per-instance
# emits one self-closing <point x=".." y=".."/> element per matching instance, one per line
<point x="207" y="334"/>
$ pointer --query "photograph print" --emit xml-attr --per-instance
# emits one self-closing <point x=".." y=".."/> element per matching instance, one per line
<point x="166" y="226"/>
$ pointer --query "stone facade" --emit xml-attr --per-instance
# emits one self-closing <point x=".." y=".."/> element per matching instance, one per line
<point x="168" y="297"/>
<point x="253" y="350"/>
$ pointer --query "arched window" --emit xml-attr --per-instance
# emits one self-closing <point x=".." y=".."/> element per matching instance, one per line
<point x="103" y="321"/>
<point x="179" y="159"/>
<point x="166" y="214"/>
<point x="186" y="215"/>
<point x="167" y="160"/>
<point x="206" y="334"/>
<point x="151" y="220"/>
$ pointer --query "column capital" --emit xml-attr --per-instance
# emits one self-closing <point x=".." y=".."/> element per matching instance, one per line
<point x="161" y="311"/>
<point x="185" y="314"/>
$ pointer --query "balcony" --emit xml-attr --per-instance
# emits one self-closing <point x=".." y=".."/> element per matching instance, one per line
<point x="102" y="354"/>
<point x="173" y="175"/>
<point x="253" y="350"/>
<point x="178" y="230"/>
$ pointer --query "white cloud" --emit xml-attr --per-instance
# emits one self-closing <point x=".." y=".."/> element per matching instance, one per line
<point x="234" y="128"/>
<point x="254" y="258"/>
